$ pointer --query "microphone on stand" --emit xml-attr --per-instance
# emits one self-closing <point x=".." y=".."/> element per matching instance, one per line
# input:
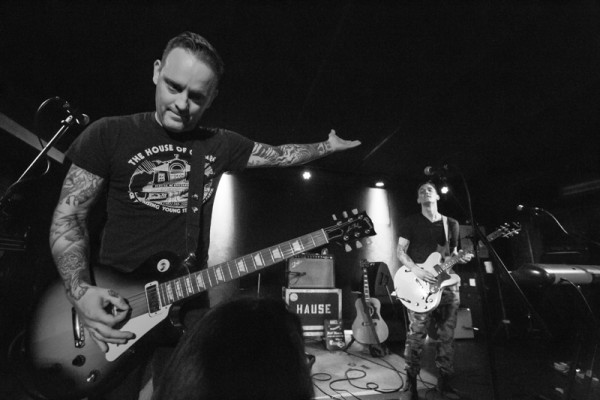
<point x="534" y="210"/>
<point x="81" y="118"/>
<point x="436" y="171"/>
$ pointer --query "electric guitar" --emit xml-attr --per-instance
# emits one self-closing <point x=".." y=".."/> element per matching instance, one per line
<point x="420" y="296"/>
<point x="66" y="363"/>
<point x="368" y="326"/>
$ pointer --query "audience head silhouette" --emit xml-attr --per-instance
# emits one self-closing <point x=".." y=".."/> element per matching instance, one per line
<point x="244" y="349"/>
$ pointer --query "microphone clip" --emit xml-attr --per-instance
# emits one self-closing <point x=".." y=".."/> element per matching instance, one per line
<point x="80" y="118"/>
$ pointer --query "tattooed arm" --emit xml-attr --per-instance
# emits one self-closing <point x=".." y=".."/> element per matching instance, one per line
<point x="264" y="155"/>
<point x="69" y="243"/>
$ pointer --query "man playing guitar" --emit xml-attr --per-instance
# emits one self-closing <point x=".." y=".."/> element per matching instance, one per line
<point x="420" y="236"/>
<point x="145" y="162"/>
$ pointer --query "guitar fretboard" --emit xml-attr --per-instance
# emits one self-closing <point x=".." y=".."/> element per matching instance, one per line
<point x="197" y="282"/>
<point x="503" y="231"/>
<point x="366" y="292"/>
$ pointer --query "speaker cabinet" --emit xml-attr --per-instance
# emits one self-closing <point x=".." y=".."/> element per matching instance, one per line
<point x="311" y="271"/>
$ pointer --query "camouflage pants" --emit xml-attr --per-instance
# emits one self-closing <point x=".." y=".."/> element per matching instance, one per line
<point x="439" y="324"/>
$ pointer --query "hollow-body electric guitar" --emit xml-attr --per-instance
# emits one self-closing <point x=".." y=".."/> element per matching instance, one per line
<point x="66" y="363"/>
<point x="420" y="296"/>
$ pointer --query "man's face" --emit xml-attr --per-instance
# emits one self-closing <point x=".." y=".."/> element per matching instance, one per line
<point x="427" y="194"/>
<point x="185" y="88"/>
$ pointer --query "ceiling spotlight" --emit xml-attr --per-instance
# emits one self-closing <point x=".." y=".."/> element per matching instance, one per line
<point x="306" y="175"/>
<point x="444" y="189"/>
<point x="379" y="184"/>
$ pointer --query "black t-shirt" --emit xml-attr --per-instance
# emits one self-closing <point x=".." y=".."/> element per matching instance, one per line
<point x="147" y="171"/>
<point x="425" y="236"/>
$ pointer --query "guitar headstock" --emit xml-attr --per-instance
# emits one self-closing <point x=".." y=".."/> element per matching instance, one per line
<point x="351" y="229"/>
<point x="509" y="229"/>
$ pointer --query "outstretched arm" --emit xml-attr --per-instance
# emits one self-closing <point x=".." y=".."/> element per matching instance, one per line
<point x="69" y="243"/>
<point x="264" y="155"/>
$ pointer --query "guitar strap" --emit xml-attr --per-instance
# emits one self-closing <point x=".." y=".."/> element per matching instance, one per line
<point x="445" y="221"/>
<point x="194" y="205"/>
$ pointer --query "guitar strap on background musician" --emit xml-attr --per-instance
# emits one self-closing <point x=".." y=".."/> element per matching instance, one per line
<point x="445" y="221"/>
<point x="194" y="206"/>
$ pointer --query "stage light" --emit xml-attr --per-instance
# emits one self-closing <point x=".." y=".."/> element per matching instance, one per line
<point x="306" y="175"/>
<point x="379" y="184"/>
<point x="444" y="189"/>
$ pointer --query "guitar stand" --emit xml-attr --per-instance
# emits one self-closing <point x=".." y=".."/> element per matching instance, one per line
<point x="375" y="350"/>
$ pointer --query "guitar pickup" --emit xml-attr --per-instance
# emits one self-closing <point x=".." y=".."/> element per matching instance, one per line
<point x="153" y="298"/>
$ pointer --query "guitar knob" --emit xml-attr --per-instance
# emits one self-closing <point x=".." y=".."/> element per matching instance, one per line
<point x="92" y="376"/>
<point x="78" y="361"/>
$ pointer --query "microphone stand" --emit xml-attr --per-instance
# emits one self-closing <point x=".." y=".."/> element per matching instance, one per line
<point x="481" y="284"/>
<point x="65" y="125"/>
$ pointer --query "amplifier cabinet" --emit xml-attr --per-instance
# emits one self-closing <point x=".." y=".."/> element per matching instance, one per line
<point x="314" y="306"/>
<point x="310" y="271"/>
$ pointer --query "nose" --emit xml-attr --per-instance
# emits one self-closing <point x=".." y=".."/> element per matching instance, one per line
<point x="182" y="101"/>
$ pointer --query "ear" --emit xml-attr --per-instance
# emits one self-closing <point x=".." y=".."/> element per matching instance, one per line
<point x="157" y="66"/>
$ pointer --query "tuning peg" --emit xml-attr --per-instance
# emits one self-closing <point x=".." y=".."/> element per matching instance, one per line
<point x="345" y="214"/>
<point x="358" y="244"/>
<point x="368" y="241"/>
<point x="347" y="248"/>
<point x="354" y="211"/>
<point x="333" y="217"/>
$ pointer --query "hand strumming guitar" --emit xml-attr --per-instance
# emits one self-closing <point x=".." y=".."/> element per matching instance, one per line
<point x="100" y="310"/>
<point x="423" y="274"/>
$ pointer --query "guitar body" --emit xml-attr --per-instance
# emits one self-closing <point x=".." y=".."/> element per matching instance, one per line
<point x="61" y="369"/>
<point x="418" y="295"/>
<point x="368" y="322"/>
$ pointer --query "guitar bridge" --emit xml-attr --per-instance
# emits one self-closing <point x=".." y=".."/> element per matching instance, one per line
<point x="78" y="331"/>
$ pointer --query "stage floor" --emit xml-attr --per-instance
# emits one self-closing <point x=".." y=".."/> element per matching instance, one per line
<point x="354" y="373"/>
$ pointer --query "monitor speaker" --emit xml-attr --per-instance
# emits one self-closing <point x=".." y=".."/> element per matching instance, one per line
<point x="310" y="271"/>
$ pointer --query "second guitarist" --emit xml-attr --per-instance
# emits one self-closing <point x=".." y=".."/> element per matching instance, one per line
<point x="420" y="235"/>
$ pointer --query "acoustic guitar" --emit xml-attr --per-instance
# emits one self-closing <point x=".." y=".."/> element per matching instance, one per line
<point x="368" y="326"/>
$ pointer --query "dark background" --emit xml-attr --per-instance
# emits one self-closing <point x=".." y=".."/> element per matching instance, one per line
<point x="505" y="93"/>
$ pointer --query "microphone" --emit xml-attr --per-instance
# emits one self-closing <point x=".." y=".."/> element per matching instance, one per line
<point x="81" y="118"/>
<point x="436" y="171"/>
<point x="535" y="210"/>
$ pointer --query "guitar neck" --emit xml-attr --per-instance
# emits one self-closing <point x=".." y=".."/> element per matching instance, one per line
<point x="366" y="293"/>
<point x="450" y="262"/>
<point x="197" y="282"/>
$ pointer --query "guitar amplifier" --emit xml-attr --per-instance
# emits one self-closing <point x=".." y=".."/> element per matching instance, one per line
<point x="313" y="307"/>
<point x="310" y="271"/>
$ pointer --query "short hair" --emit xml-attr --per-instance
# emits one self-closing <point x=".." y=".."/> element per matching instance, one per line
<point x="428" y="182"/>
<point x="198" y="46"/>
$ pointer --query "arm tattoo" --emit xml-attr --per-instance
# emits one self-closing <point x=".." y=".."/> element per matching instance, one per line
<point x="69" y="267"/>
<point x="287" y="154"/>
<point x="68" y="232"/>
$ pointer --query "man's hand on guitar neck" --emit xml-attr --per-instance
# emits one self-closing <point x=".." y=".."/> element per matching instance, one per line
<point x="465" y="257"/>
<point x="100" y="309"/>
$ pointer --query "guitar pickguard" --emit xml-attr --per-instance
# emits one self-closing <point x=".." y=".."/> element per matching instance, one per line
<point x="139" y="326"/>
